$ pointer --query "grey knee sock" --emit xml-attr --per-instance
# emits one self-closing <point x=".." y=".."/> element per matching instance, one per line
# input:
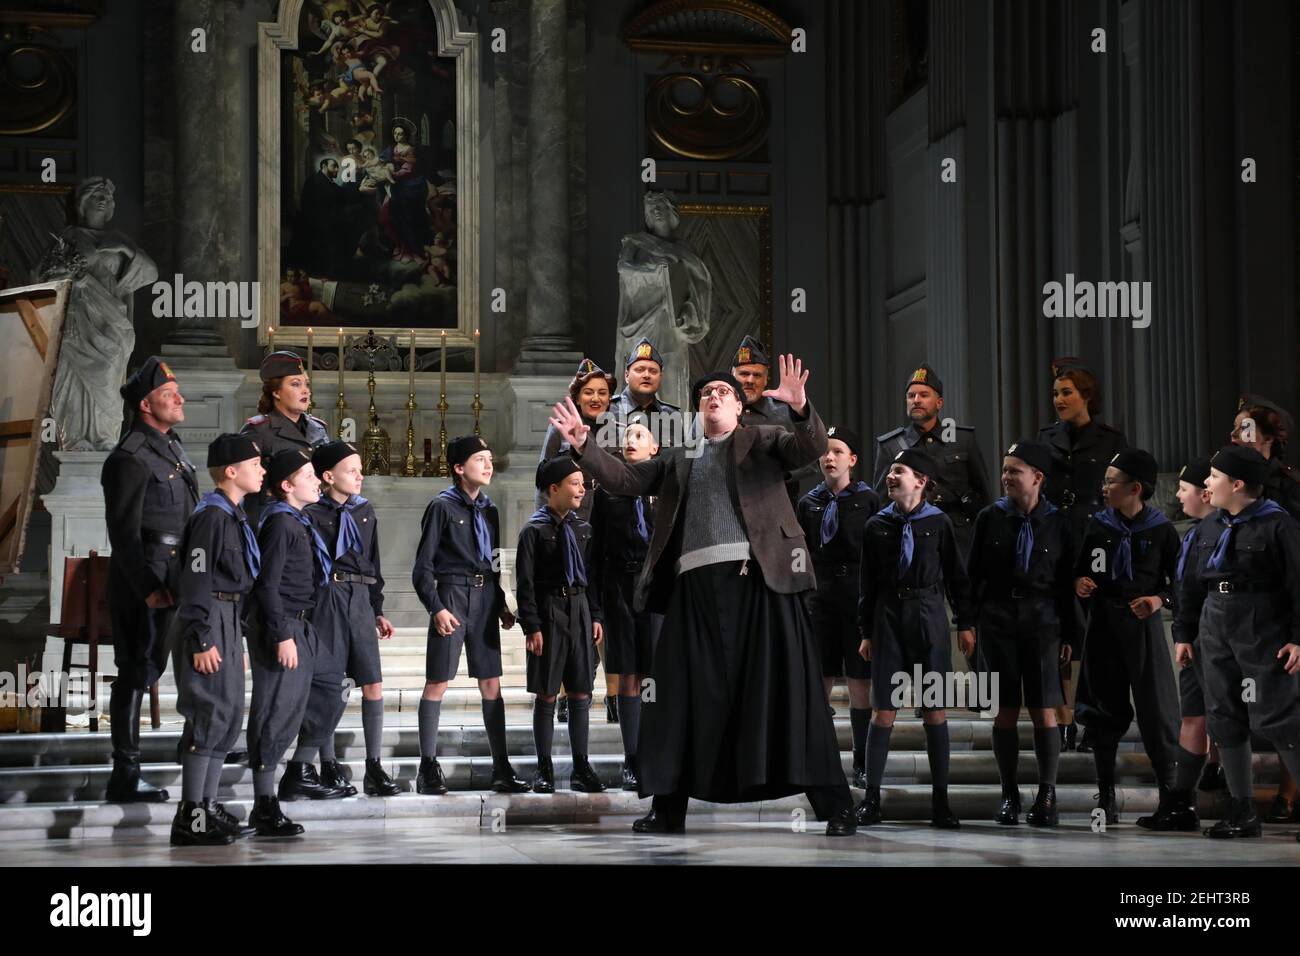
<point x="263" y="783"/>
<point x="213" y="782"/>
<point x="427" y="716"/>
<point x="543" y="725"/>
<point x="579" y="712"/>
<point x="1006" y="751"/>
<point x="877" y="753"/>
<point x="629" y="721"/>
<point x="194" y="775"/>
<point x="1047" y="751"/>
<point x="1236" y="767"/>
<point x="494" y="721"/>
<point x="936" y="748"/>
<point x="1188" y="769"/>
<point x="859" y="720"/>
<point x="305" y="754"/>
<point x="327" y="751"/>
<point x="372" y="726"/>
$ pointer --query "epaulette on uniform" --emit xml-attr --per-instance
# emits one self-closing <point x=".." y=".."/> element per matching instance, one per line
<point x="132" y="442"/>
<point x="894" y="434"/>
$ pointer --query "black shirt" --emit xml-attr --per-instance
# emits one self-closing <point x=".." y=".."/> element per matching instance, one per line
<point x="1154" y="559"/>
<point x="287" y="583"/>
<point x="1080" y="457"/>
<point x="613" y="525"/>
<point x="936" y="563"/>
<point x="845" y="546"/>
<point x="539" y="567"/>
<point x="212" y="560"/>
<point x="324" y="515"/>
<point x="448" y="545"/>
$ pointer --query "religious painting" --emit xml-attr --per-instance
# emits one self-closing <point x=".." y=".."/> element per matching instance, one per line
<point x="368" y="166"/>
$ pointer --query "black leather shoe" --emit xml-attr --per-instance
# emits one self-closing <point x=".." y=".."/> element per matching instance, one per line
<point x="1085" y="742"/>
<point x="1240" y="821"/>
<point x="843" y="823"/>
<point x="1044" y="813"/>
<point x="1177" y="811"/>
<point x="630" y="779"/>
<point x="1009" y="811"/>
<point x="125" y="785"/>
<point x="226" y="820"/>
<point x="237" y="756"/>
<point x="269" y="820"/>
<point x="377" y="782"/>
<point x="332" y="776"/>
<point x="868" y="811"/>
<point x="504" y="779"/>
<point x="429" y="780"/>
<point x="1280" y="811"/>
<point x="941" y="815"/>
<point x="584" y="778"/>
<point x="562" y="710"/>
<point x="544" y="778"/>
<point x="1212" y="778"/>
<point x="652" y="822"/>
<point x="1106" y="802"/>
<point x="860" y="777"/>
<point x="1071" y="737"/>
<point x="194" y="825"/>
<point x="611" y="709"/>
<point x="301" y="780"/>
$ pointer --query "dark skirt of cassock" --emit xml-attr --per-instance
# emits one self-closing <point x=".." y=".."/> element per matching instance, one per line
<point x="739" y="713"/>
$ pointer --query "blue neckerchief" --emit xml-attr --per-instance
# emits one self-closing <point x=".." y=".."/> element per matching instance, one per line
<point x="252" y="553"/>
<point x="479" y="506"/>
<point x="926" y="510"/>
<point x="1264" y="506"/>
<point x="318" y="543"/>
<point x="1025" y="539"/>
<point x="1121" y="563"/>
<point x="642" y="528"/>
<point x="575" y="571"/>
<point x="349" y="538"/>
<point x="1184" y="548"/>
<point x="831" y="517"/>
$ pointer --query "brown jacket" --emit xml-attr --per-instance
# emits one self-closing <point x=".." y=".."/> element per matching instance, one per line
<point x="760" y="455"/>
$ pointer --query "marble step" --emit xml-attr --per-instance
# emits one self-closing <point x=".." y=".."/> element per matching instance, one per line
<point x="496" y="812"/>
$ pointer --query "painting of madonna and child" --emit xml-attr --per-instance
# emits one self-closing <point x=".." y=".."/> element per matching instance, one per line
<point x="368" y="167"/>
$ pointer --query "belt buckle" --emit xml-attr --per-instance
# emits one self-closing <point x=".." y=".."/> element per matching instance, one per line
<point x="564" y="590"/>
<point x="1224" y="587"/>
<point x="1067" y="497"/>
<point x="478" y="580"/>
<point x="1019" y="593"/>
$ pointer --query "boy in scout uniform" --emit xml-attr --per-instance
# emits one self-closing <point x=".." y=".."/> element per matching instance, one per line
<point x="349" y="617"/>
<point x="457" y="576"/>
<point x="1237" y="614"/>
<point x="282" y="420"/>
<point x="561" y="617"/>
<point x="221" y="560"/>
<point x="295" y="564"/>
<point x="833" y="516"/>
<point x="149" y="492"/>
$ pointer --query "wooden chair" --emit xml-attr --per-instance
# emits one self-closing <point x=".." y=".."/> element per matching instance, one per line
<point x="86" y="620"/>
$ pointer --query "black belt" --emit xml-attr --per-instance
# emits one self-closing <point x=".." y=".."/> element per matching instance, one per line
<point x="565" y="590"/>
<point x="160" y="537"/>
<point x="1240" y="587"/>
<point x="300" y="615"/>
<point x="905" y="594"/>
<point x="344" y="578"/>
<point x="473" y="580"/>
<point x="633" y="567"/>
<point x="1020" y="594"/>
<point x="227" y="596"/>
<point x="836" y="570"/>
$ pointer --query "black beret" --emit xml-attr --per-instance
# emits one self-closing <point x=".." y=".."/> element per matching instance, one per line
<point x="750" y="352"/>
<point x="1195" y="472"/>
<point x="846" y="435"/>
<point x="918" y="461"/>
<point x="643" y="350"/>
<point x="703" y="380"/>
<point x="1137" y="464"/>
<point x="231" y="449"/>
<point x="1033" y="453"/>
<point x="555" y="470"/>
<point x="152" y="374"/>
<point x="283" y="464"/>
<point x="1242" y="463"/>
<point x="924" y="375"/>
<point x="326" y="456"/>
<point x="279" y="364"/>
<point x="460" y="450"/>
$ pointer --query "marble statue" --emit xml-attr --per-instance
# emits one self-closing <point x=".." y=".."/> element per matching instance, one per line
<point x="105" y="267"/>
<point x="664" y="294"/>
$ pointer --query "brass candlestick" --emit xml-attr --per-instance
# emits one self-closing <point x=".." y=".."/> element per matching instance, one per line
<point x="443" y="470"/>
<point x="408" y="466"/>
<point x="478" y="407"/>
<point x="375" y="444"/>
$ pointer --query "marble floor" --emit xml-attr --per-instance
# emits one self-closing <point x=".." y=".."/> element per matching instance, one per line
<point x="708" y="841"/>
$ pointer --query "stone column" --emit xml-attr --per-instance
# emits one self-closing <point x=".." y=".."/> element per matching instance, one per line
<point x="549" y="346"/>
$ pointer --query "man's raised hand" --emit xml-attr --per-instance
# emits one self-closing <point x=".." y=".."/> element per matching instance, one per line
<point x="791" y="388"/>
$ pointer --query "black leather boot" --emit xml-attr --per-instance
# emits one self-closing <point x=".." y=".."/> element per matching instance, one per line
<point x="1280" y="811"/>
<point x="868" y="811"/>
<point x="664" y="817"/>
<point x="584" y="778"/>
<point x="1212" y="778"/>
<point x="631" y="780"/>
<point x="377" y="782"/>
<point x="226" y="820"/>
<point x="1044" y="813"/>
<point x="941" y="815"/>
<point x="562" y="710"/>
<point x="1177" y="811"/>
<point x="301" y="780"/>
<point x="611" y="709"/>
<point x="1009" y="812"/>
<point x="504" y="779"/>
<point x="1106" y="802"/>
<point x="860" y="776"/>
<point x="269" y="820"/>
<point x="125" y="785"/>
<point x="544" y="778"/>
<point x="194" y="826"/>
<point x="333" y="776"/>
<point x="1240" y="821"/>
<point x="843" y="823"/>
<point x="429" y="780"/>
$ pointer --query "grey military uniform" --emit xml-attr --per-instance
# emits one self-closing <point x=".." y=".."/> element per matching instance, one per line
<point x="623" y="405"/>
<point x="961" y="480"/>
<point x="273" y="432"/>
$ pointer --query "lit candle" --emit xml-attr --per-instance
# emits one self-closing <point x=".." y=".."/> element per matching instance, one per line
<point x="442" y="379"/>
<point x="270" y="338"/>
<point x="309" y="349"/>
<point x="476" y="362"/>
<point x="412" y="361"/>
<point x="340" y="361"/>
